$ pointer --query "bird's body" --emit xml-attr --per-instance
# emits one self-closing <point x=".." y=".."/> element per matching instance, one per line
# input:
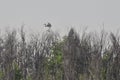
<point x="48" y="25"/>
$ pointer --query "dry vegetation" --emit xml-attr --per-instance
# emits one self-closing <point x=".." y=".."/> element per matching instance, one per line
<point x="74" y="57"/>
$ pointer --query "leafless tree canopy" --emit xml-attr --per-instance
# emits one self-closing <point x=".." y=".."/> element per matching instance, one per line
<point x="47" y="56"/>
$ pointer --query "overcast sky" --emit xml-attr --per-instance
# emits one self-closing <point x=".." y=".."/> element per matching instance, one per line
<point x="62" y="14"/>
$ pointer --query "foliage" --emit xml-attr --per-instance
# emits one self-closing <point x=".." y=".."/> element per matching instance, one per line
<point x="74" y="57"/>
<point x="18" y="74"/>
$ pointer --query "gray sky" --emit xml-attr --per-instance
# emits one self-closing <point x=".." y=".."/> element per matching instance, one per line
<point x="61" y="13"/>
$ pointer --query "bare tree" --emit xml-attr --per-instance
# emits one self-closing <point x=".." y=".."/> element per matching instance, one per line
<point x="70" y="51"/>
